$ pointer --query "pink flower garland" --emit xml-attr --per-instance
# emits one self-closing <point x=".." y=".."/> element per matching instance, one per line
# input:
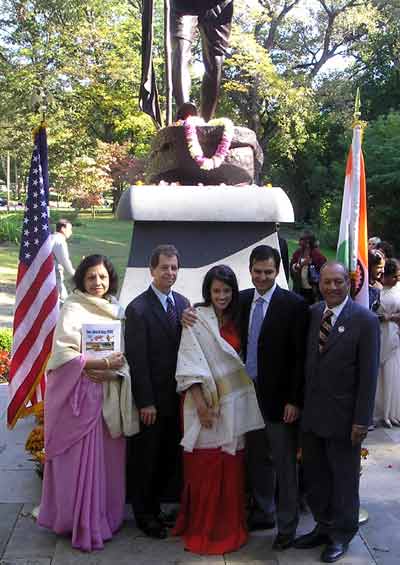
<point x="195" y="150"/>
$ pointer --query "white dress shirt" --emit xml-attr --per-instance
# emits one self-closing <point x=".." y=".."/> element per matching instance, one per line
<point x="266" y="298"/>
<point x="336" y="310"/>
<point x="162" y="297"/>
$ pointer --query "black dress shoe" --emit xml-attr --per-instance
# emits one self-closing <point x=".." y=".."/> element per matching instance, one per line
<point x="312" y="539"/>
<point x="167" y="519"/>
<point x="283" y="541"/>
<point x="254" y="524"/>
<point x="152" y="527"/>
<point x="333" y="552"/>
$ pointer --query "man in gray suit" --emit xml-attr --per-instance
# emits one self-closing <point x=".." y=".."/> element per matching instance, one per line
<point x="341" y="373"/>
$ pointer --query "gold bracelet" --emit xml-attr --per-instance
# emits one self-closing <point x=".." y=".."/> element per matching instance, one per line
<point x="107" y="362"/>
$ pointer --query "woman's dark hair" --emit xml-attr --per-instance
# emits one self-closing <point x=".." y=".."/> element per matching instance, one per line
<point x="93" y="261"/>
<point x="391" y="267"/>
<point x="386" y="248"/>
<point x="310" y="237"/>
<point x="375" y="256"/>
<point x="224" y="274"/>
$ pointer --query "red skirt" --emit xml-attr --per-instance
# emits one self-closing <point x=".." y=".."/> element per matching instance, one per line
<point x="212" y="517"/>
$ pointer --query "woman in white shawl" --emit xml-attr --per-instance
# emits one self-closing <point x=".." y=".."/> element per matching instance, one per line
<point x="388" y="393"/>
<point x="88" y="408"/>
<point x="219" y="407"/>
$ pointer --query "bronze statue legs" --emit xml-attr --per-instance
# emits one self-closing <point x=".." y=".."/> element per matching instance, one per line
<point x="214" y="38"/>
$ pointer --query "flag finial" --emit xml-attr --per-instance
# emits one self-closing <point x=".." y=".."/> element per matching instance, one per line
<point x="357" y="106"/>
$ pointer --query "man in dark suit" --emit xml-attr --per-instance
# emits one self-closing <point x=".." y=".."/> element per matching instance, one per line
<point x="152" y="336"/>
<point x="273" y="329"/>
<point x="273" y="325"/>
<point x="283" y="248"/>
<point x="341" y="373"/>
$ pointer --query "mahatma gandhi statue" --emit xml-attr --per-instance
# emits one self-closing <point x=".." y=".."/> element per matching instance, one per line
<point x="213" y="19"/>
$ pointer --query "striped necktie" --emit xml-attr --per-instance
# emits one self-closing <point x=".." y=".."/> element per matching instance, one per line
<point x="171" y="314"/>
<point x="325" y="329"/>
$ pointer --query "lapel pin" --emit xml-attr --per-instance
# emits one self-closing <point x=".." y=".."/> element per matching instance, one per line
<point x="340" y="329"/>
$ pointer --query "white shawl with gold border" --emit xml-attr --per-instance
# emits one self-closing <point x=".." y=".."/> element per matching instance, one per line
<point x="119" y="411"/>
<point x="205" y="358"/>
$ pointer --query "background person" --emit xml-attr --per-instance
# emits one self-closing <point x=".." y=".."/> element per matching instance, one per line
<point x="63" y="265"/>
<point x="219" y="407"/>
<point x="341" y="372"/>
<point x="388" y="393"/>
<point x="84" y="475"/>
<point x="305" y="266"/>
<point x="386" y="248"/>
<point x="376" y="267"/>
<point x="373" y="242"/>
<point x="283" y="248"/>
<point x="152" y="336"/>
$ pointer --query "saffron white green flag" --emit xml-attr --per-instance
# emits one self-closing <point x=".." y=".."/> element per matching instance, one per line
<point x="352" y="249"/>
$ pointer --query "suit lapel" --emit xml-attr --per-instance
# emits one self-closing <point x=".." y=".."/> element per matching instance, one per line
<point x="160" y="313"/>
<point x="341" y="325"/>
<point x="244" y="320"/>
<point x="272" y="311"/>
<point x="314" y="333"/>
<point x="246" y="310"/>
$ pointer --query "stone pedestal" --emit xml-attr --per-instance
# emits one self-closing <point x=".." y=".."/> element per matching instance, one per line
<point x="170" y="160"/>
<point x="209" y="225"/>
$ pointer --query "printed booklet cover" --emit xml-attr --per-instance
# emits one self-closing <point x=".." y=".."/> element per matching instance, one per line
<point x="100" y="340"/>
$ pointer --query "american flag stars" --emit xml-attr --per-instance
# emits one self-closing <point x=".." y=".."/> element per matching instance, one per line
<point x="36" y="228"/>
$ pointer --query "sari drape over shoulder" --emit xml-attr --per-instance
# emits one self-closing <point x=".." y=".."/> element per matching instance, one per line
<point x="387" y="401"/>
<point x="205" y="358"/>
<point x="84" y="476"/>
<point x="212" y="518"/>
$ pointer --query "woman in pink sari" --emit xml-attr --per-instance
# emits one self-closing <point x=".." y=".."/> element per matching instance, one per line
<point x="84" y="477"/>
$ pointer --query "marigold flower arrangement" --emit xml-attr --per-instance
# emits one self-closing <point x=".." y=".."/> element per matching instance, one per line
<point x="35" y="445"/>
<point x="195" y="149"/>
<point x="35" y="441"/>
<point x="38" y="411"/>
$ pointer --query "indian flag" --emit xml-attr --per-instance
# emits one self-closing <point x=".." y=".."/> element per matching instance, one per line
<point x="352" y="249"/>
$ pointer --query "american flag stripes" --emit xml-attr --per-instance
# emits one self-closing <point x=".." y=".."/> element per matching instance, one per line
<point x="36" y="301"/>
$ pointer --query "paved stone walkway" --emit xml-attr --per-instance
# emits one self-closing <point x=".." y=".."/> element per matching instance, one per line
<point x="22" y="542"/>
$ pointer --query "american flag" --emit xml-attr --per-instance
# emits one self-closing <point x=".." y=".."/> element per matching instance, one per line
<point x="36" y="301"/>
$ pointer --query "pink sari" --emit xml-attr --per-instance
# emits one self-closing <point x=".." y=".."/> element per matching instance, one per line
<point x="84" y="477"/>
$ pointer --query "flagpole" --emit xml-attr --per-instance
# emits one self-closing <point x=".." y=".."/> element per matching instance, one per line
<point x="355" y="214"/>
<point x="168" y="61"/>
<point x="352" y="248"/>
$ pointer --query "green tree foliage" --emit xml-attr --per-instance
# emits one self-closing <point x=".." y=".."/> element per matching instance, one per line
<point x="278" y="80"/>
<point x="87" y="55"/>
<point x="381" y="147"/>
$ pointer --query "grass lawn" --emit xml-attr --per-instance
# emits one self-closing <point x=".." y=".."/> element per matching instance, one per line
<point x="8" y="263"/>
<point x="108" y="236"/>
<point x="104" y="235"/>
